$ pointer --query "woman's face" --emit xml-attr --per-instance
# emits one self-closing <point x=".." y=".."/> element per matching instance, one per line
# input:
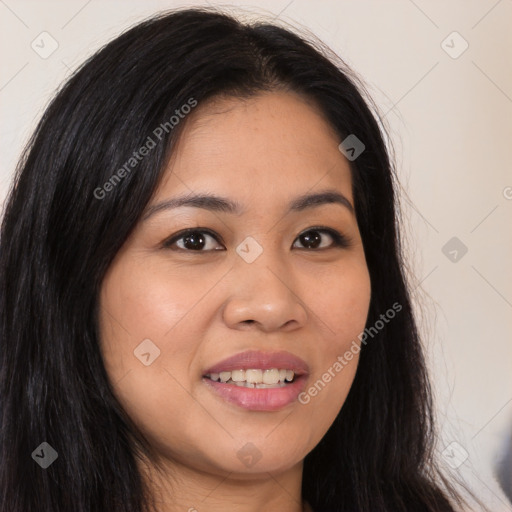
<point x="270" y="279"/>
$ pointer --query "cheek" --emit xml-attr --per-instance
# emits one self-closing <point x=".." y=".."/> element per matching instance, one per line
<point x="141" y="312"/>
<point x="147" y="300"/>
<point x="141" y="317"/>
<point x="342" y="305"/>
<point x="143" y="301"/>
<point x="340" y="299"/>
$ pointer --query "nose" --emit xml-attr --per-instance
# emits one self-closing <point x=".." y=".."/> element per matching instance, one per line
<point x="262" y="296"/>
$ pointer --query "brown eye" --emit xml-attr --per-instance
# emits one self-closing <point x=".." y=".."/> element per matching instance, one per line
<point x="192" y="240"/>
<point x="313" y="238"/>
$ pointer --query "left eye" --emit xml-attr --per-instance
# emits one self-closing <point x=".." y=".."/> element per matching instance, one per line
<point x="196" y="240"/>
<point x="312" y="237"/>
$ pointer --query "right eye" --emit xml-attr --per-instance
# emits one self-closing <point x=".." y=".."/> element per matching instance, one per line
<point x="193" y="240"/>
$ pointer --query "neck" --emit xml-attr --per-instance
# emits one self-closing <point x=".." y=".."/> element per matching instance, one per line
<point x="178" y="487"/>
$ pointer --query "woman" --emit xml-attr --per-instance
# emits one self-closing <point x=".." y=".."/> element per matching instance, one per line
<point x="203" y="303"/>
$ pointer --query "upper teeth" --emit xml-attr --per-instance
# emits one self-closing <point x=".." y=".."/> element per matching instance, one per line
<point x="272" y="376"/>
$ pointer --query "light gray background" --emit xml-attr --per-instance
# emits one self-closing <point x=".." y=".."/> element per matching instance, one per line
<point x="451" y="124"/>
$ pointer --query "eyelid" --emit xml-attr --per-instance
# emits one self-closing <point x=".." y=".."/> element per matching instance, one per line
<point x="180" y="234"/>
<point x="340" y="240"/>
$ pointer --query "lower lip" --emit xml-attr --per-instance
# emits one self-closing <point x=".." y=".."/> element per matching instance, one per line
<point x="254" y="399"/>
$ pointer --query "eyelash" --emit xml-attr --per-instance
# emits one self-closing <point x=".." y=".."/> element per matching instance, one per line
<point x="339" y="240"/>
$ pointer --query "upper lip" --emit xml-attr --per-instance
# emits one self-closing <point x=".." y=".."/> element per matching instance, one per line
<point x="260" y="360"/>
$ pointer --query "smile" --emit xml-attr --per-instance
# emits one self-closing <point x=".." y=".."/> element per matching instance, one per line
<point x="258" y="381"/>
<point x="255" y="378"/>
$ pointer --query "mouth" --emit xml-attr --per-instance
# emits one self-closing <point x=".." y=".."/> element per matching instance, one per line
<point x="258" y="381"/>
<point x="255" y="378"/>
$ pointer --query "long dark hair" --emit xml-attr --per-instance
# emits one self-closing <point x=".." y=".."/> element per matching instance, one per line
<point x="61" y="231"/>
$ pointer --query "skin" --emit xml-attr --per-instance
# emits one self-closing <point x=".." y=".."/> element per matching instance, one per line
<point x="194" y="305"/>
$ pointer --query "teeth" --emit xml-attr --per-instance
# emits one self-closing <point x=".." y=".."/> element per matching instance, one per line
<point x="271" y="376"/>
<point x="255" y="377"/>
<point x="236" y="376"/>
<point x="258" y="386"/>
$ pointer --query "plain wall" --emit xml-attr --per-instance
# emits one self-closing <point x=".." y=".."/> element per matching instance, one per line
<point x="450" y="120"/>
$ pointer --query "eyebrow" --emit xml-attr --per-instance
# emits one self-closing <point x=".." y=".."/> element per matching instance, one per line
<point x="222" y="204"/>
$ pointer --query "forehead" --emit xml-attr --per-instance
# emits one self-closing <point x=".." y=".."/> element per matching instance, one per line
<point x="271" y="145"/>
